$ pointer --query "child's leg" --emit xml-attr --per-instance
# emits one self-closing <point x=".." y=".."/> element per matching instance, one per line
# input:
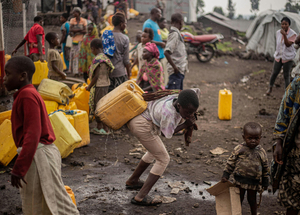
<point x="139" y="170"/>
<point x="251" y="196"/>
<point x="242" y="194"/>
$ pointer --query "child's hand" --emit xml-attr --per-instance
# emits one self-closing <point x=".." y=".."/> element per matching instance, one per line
<point x="16" y="181"/>
<point x="63" y="76"/>
<point x="189" y="122"/>
<point x="223" y="180"/>
<point x="88" y="88"/>
<point x="283" y="32"/>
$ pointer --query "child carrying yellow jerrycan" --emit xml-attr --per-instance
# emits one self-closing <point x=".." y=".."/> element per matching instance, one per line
<point x="225" y="105"/>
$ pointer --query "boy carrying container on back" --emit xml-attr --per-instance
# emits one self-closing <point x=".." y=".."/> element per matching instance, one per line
<point x="99" y="72"/>
<point x="176" y="54"/>
<point x="249" y="164"/>
<point x="37" y="170"/>
<point x="55" y="63"/>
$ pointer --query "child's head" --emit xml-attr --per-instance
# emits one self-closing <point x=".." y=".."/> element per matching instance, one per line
<point x="18" y="72"/>
<point x="64" y="17"/>
<point x="147" y="36"/>
<point x="90" y="28"/>
<point x="177" y="20"/>
<point x="119" y="20"/>
<point x="252" y="134"/>
<point x="52" y="38"/>
<point x="150" y="51"/>
<point x="162" y="23"/>
<point x="96" y="46"/>
<point x="187" y="103"/>
<point x="39" y="20"/>
<point x="285" y="23"/>
<point x="139" y="36"/>
<point x="76" y="12"/>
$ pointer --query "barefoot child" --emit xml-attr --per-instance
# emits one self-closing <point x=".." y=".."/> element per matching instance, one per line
<point x="151" y="77"/>
<point x="37" y="170"/>
<point x="55" y="63"/>
<point x="161" y="116"/>
<point x="249" y="164"/>
<point x="147" y="37"/>
<point x="100" y="69"/>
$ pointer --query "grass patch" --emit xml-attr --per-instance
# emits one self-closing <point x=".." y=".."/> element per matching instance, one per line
<point x="241" y="34"/>
<point x="258" y="72"/>
<point x="225" y="46"/>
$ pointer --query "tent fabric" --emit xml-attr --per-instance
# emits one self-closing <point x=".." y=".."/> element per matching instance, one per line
<point x="262" y="31"/>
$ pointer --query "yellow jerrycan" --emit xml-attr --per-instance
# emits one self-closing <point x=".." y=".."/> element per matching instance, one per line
<point x="8" y="149"/>
<point x="63" y="60"/>
<point x="81" y="98"/>
<point x="54" y="91"/>
<point x="7" y="57"/>
<point x="5" y="115"/>
<point x="120" y="105"/>
<point x="225" y="105"/>
<point x="67" y="137"/>
<point x="71" y="194"/>
<point x="51" y="106"/>
<point x="134" y="73"/>
<point x="41" y="72"/>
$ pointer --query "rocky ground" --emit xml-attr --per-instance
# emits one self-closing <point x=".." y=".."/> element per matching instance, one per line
<point x="97" y="173"/>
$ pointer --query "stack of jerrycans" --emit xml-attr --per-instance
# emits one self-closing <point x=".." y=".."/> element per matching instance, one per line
<point x="41" y="72"/>
<point x="8" y="149"/>
<point x="120" y="105"/>
<point x="67" y="138"/>
<point x="81" y="98"/>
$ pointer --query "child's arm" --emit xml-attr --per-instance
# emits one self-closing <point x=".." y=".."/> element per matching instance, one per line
<point x="230" y="165"/>
<point x="162" y="44"/>
<point x="62" y="74"/>
<point x="188" y="123"/>
<point x="135" y="62"/>
<point x="94" y="79"/>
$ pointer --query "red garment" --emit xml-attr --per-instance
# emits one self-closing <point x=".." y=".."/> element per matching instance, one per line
<point x="30" y="126"/>
<point x="31" y="37"/>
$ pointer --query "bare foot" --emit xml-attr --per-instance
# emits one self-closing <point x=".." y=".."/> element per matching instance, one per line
<point x="269" y="91"/>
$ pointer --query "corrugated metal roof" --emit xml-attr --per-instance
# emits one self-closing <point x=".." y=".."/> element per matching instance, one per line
<point x="219" y="16"/>
<point x="220" y="22"/>
<point x="240" y="25"/>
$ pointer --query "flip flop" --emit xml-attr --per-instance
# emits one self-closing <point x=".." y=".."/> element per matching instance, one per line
<point x="137" y="186"/>
<point x="147" y="201"/>
<point x="103" y="132"/>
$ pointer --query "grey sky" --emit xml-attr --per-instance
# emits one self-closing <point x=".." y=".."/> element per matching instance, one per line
<point x="243" y="6"/>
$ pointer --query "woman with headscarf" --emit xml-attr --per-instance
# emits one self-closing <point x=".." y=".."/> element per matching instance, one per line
<point x="150" y="76"/>
<point x="85" y="55"/>
<point x="78" y="29"/>
<point x="284" y="54"/>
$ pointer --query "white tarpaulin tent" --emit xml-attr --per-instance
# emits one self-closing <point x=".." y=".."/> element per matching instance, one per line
<point x="262" y="31"/>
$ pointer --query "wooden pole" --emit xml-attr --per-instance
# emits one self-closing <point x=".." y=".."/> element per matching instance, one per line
<point x="34" y="10"/>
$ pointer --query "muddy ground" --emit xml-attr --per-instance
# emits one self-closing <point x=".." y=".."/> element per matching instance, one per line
<point x="99" y="185"/>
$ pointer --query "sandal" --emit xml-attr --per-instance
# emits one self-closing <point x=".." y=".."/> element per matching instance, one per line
<point x="147" y="201"/>
<point x="99" y="132"/>
<point x="137" y="186"/>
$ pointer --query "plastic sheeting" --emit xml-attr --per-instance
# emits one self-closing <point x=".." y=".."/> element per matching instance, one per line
<point x="262" y="31"/>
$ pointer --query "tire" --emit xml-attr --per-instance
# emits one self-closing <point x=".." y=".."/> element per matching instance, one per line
<point x="207" y="55"/>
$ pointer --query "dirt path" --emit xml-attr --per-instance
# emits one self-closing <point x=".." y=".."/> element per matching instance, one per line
<point x="99" y="185"/>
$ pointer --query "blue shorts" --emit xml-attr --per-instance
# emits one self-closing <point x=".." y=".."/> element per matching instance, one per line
<point x="175" y="82"/>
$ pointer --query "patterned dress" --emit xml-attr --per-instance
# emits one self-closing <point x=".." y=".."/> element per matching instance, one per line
<point x="287" y="128"/>
<point x="154" y="73"/>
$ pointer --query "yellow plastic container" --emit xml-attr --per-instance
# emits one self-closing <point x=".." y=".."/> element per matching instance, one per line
<point x="51" y="106"/>
<point x="5" y="115"/>
<point x="67" y="137"/>
<point x="225" y="105"/>
<point x="134" y="73"/>
<point x="81" y="98"/>
<point x="70" y="106"/>
<point x="7" y="57"/>
<point x="63" y="60"/>
<point x="71" y="119"/>
<point x="55" y="91"/>
<point x="8" y="149"/>
<point x="81" y="125"/>
<point x="71" y="194"/>
<point x="120" y="105"/>
<point x="41" y="72"/>
<point x="135" y="12"/>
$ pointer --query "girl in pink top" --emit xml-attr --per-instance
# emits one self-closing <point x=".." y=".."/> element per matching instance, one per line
<point x="284" y="54"/>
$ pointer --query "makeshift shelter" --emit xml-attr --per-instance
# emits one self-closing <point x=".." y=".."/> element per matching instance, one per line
<point x="262" y="31"/>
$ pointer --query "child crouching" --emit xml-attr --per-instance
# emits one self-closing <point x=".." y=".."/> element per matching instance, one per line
<point x="37" y="170"/>
<point x="99" y="75"/>
<point x="249" y="164"/>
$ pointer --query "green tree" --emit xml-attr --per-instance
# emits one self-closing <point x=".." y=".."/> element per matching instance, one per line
<point x="254" y="5"/>
<point x="200" y="4"/>
<point x="219" y="10"/>
<point x="231" y="9"/>
<point x="292" y="6"/>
